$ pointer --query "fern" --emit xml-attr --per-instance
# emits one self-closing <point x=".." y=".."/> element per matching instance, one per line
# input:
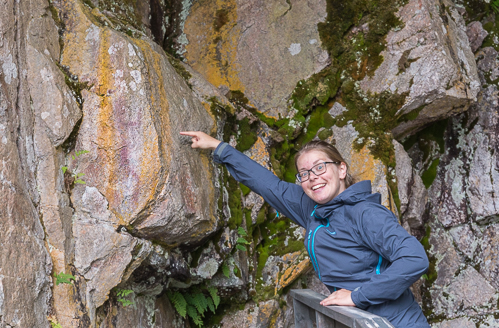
<point x="198" y="300"/>
<point x="241" y="247"/>
<point x="495" y="6"/>
<point x="122" y="293"/>
<point x="214" y="295"/>
<point x="179" y="302"/>
<point x="193" y="313"/>
<point x="241" y="240"/>
<point x="211" y="306"/>
<point x="241" y="231"/>
<point x="226" y="270"/>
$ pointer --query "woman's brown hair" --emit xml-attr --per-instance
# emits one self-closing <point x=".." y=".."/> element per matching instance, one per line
<point x="330" y="151"/>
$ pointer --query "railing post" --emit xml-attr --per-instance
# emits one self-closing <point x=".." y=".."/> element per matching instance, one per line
<point x="302" y="315"/>
<point x="325" y="322"/>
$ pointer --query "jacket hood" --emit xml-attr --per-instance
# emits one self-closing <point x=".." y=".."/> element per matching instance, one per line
<point x="358" y="192"/>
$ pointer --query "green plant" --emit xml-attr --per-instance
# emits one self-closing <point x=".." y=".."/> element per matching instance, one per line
<point x="122" y="293"/>
<point x="195" y="303"/>
<point x="225" y="270"/>
<point x="76" y="177"/>
<point x="63" y="278"/>
<point x="495" y="6"/>
<point x="54" y="323"/>
<point x="241" y="241"/>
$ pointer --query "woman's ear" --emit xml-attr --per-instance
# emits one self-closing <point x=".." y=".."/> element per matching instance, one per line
<point x="342" y="170"/>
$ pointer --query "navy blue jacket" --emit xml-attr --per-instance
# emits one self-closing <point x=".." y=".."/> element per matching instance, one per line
<point x="353" y="241"/>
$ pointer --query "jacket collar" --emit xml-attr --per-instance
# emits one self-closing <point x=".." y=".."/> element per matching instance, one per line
<point x="354" y="194"/>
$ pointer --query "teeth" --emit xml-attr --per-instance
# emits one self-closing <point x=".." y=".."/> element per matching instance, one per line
<point x="318" y="186"/>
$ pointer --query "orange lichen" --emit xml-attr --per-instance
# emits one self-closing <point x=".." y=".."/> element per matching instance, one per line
<point x="214" y="51"/>
<point x="292" y="270"/>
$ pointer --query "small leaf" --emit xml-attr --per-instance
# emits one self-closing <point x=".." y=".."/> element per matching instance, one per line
<point x="63" y="278"/>
<point x="241" y="231"/>
<point x="226" y="270"/>
<point x="64" y="169"/>
<point x="214" y="295"/>
<point x="241" y="240"/>
<point x="241" y="247"/>
<point x="80" y="181"/>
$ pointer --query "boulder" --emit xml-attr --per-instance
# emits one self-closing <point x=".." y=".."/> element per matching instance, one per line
<point x="134" y="109"/>
<point x="411" y="190"/>
<point x="430" y="60"/>
<point x="476" y="34"/>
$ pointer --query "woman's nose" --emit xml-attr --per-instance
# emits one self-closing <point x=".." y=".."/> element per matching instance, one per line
<point x="312" y="176"/>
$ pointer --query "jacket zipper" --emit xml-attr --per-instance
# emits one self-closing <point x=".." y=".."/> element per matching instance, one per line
<point x="311" y="250"/>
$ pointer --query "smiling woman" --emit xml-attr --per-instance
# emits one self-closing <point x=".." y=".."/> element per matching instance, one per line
<point x="356" y="245"/>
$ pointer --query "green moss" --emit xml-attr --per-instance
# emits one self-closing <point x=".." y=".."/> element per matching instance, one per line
<point x="316" y="90"/>
<point x="360" y="51"/>
<point x="244" y="189"/>
<point x="125" y="13"/>
<point x="246" y="136"/>
<point x="430" y="277"/>
<point x="180" y="69"/>
<point x="74" y="85"/>
<point x="277" y="240"/>
<point x="235" y="206"/>
<point x="429" y="175"/>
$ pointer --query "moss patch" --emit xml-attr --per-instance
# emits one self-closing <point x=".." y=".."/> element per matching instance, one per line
<point x="180" y="69"/>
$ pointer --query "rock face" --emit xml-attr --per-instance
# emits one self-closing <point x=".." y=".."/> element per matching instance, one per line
<point x="464" y="212"/>
<point x="97" y="184"/>
<point x="429" y="59"/>
<point x="258" y="47"/>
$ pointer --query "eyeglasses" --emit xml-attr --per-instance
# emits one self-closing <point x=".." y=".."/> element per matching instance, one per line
<point x="317" y="169"/>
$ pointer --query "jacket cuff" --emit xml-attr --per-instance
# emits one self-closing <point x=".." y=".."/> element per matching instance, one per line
<point x="359" y="299"/>
<point x="217" y="153"/>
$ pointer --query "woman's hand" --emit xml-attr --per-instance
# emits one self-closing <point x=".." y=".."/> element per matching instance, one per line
<point x="339" y="297"/>
<point x="201" y="140"/>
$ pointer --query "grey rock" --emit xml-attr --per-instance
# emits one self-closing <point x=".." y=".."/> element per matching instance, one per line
<point x="102" y="251"/>
<point x="448" y="260"/>
<point x="489" y="256"/>
<point x="439" y="74"/>
<point x="468" y="294"/>
<point x="487" y="63"/>
<point x="459" y="322"/>
<point x="25" y="265"/>
<point x="412" y="192"/>
<point x="253" y="316"/>
<point x="146" y="312"/>
<point x="465" y="239"/>
<point x="476" y="34"/>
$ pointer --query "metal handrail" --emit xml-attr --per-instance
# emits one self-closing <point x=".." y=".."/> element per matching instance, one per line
<point x="309" y="313"/>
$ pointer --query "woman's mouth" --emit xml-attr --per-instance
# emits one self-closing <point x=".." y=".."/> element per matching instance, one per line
<point x="318" y="186"/>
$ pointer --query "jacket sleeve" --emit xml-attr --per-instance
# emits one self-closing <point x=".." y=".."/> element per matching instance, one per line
<point x="380" y="231"/>
<point x="285" y="197"/>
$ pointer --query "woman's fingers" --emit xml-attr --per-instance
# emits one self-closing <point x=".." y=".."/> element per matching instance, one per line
<point x="340" y="297"/>
<point x="201" y="140"/>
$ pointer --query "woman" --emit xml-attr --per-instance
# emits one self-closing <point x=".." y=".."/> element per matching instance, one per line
<point x="356" y="245"/>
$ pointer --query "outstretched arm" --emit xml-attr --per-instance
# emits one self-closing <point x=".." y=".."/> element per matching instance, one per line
<point x="201" y="140"/>
<point x="287" y="198"/>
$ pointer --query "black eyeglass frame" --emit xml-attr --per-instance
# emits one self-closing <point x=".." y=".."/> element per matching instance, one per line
<point x="297" y="175"/>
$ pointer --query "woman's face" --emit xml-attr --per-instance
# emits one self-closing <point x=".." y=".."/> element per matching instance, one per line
<point x="324" y="187"/>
